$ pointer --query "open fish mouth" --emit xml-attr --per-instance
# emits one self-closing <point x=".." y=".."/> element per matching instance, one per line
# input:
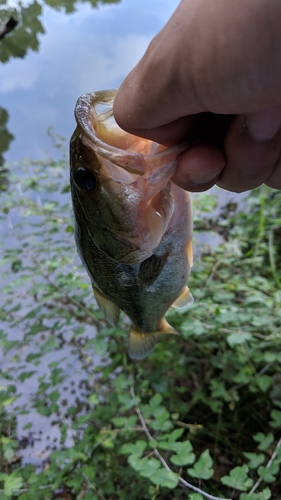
<point x="120" y="249"/>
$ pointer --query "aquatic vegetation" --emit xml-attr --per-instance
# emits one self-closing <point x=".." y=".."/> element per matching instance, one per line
<point x="199" y="419"/>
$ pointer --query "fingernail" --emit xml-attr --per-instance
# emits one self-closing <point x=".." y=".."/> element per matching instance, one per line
<point x="264" y="125"/>
<point x="203" y="176"/>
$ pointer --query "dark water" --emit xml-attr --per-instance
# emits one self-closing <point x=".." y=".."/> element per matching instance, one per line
<point x="90" y="49"/>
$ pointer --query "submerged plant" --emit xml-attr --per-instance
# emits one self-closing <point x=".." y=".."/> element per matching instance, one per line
<point x="199" y="418"/>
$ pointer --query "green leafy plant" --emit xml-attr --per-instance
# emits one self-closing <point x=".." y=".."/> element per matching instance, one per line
<point x="199" y="418"/>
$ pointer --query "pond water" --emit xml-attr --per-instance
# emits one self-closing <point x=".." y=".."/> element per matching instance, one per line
<point x="89" y="49"/>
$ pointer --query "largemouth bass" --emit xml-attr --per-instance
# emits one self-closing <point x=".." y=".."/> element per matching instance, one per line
<point x="133" y="226"/>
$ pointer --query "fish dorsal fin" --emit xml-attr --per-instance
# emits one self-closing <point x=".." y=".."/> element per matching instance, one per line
<point x="184" y="300"/>
<point x="110" y="310"/>
<point x="189" y="251"/>
<point x="140" y="344"/>
<point x="151" y="268"/>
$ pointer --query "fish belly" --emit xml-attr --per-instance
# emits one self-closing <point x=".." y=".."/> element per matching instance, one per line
<point x="145" y="291"/>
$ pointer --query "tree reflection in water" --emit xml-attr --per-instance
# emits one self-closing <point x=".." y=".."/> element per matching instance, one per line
<point x="24" y="38"/>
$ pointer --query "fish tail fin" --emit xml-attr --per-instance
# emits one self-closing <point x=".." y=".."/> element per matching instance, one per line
<point x="142" y="344"/>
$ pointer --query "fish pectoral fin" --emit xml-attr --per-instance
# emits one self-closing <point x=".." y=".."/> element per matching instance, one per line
<point x="140" y="344"/>
<point x="110" y="310"/>
<point x="151" y="268"/>
<point x="184" y="300"/>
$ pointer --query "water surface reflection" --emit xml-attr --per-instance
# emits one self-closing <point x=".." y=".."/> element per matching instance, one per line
<point x="63" y="56"/>
<point x="89" y="49"/>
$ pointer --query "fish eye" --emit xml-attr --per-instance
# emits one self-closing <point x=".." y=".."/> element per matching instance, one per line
<point x="85" y="179"/>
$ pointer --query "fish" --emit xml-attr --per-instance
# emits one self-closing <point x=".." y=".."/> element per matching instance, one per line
<point x="132" y="224"/>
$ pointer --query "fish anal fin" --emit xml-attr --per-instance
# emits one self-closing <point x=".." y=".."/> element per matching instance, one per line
<point x="166" y="329"/>
<point x="184" y="300"/>
<point x="110" y="310"/>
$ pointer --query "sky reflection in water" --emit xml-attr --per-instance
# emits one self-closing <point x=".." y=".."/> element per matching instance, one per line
<point x="92" y="49"/>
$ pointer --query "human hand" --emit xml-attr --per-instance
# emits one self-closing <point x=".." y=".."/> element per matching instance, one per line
<point x="223" y="58"/>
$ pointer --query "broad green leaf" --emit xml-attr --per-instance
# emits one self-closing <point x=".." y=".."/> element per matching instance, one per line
<point x="54" y="395"/>
<point x="218" y="390"/>
<point x="119" y="421"/>
<point x="161" y="415"/>
<point x="11" y="483"/>
<point x="145" y="466"/>
<point x="193" y="328"/>
<point x="9" y="401"/>
<point x="263" y="495"/>
<point x="175" y="434"/>
<point x="121" y="382"/>
<point x="127" y="401"/>
<point x="276" y="416"/>
<point x="137" y="463"/>
<point x="109" y="442"/>
<point x="9" y="446"/>
<point x="238" y="338"/>
<point x="264" y="440"/>
<point x="238" y="478"/>
<point x="136" y="448"/>
<point x="93" y="399"/>
<point x="268" y="474"/>
<point x="185" y="455"/>
<point x="100" y="346"/>
<point x="203" y="467"/>
<point x="264" y="382"/>
<point x="255" y="459"/>
<point x="91" y="496"/>
<point x="168" y="441"/>
<point x="128" y="422"/>
<point x="155" y="401"/>
<point x="195" y="496"/>
<point x="162" y="477"/>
